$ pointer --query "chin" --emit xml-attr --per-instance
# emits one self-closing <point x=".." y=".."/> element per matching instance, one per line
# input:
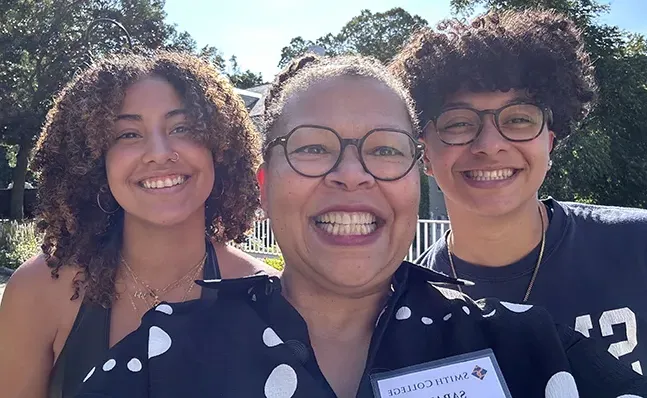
<point x="165" y="218"/>
<point x="352" y="275"/>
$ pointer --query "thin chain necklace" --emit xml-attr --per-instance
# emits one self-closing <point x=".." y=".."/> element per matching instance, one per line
<point x="537" y="265"/>
<point x="149" y="305"/>
<point x="154" y="294"/>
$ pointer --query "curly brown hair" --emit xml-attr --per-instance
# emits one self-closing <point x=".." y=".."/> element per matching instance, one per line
<point x="302" y="72"/>
<point x="540" y="52"/>
<point x="70" y="157"/>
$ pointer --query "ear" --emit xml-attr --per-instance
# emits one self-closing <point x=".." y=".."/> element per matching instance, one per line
<point x="425" y="158"/>
<point x="552" y="138"/>
<point x="260" y="177"/>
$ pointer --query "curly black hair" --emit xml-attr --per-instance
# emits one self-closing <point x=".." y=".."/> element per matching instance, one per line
<point x="70" y="158"/>
<point x="302" y="72"/>
<point x="540" y="52"/>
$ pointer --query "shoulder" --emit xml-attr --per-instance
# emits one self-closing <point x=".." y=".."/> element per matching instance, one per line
<point x="612" y="216"/>
<point x="34" y="302"/>
<point x="235" y="263"/>
<point x="33" y="282"/>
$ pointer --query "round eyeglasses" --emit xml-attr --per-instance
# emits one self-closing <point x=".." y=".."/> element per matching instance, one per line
<point x="314" y="151"/>
<point x="517" y="122"/>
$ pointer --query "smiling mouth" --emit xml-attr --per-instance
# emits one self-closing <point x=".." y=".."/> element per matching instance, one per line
<point x="490" y="175"/>
<point x="342" y="223"/>
<point x="163" y="182"/>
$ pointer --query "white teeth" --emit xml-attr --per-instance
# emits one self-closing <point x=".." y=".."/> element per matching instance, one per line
<point x="163" y="183"/>
<point x="344" y="223"/>
<point x="489" y="175"/>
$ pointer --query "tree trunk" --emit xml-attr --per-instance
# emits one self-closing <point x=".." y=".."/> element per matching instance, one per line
<point x="19" y="174"/>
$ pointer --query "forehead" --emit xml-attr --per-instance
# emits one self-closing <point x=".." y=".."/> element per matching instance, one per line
<point x="348" y="104"/>
<point x="150" y="94"/>
<point x="486" y="99"/>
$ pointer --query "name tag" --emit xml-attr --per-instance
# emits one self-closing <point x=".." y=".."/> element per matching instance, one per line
<point x="473" y="375"/>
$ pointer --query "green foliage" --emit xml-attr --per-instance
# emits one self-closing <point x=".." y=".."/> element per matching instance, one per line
<point x="380" y="35"/>
<point x="18" y="242"/>
<point x="275" y="262"/>
<point x="245" y="79"/>
<point x="604" y="160"/>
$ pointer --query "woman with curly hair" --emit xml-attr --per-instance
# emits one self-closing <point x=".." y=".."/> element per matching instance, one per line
<point x="147" y="168"/>
<point x="495" y="95"/>
<point x="347" y="317"/>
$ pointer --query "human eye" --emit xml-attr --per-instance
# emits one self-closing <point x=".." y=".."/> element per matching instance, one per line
<point x="386" y="151"/>
<point x="311" y="150"/>
<point x="180" y="130"/>
<point x="128" y="135"/>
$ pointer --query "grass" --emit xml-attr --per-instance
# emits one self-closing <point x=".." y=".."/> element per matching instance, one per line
<point x="18" y="242"/>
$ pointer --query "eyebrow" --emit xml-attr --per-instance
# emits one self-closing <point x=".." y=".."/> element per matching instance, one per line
<point x="514" y="100"/>
<point x="138" y="118"/>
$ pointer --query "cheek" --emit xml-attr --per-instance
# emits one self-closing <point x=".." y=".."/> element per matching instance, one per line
<point x="404" y="196"/>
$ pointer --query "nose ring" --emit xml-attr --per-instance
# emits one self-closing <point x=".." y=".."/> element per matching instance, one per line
<point x="176" y="157"/>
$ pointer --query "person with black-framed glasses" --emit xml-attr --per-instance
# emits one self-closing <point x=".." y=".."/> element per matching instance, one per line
<point x="495" y="95"/>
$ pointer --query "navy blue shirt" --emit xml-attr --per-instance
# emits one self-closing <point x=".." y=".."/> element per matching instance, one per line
<point x="593" y="276"/>
<point x="250" y="342"/>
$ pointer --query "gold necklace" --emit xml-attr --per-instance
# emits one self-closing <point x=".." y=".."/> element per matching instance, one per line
<point x="149" y="305"/>
<point x="154" y="294"/>
<point x="536" y="270"/>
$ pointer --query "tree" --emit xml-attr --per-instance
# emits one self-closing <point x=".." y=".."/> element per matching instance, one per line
<point x="43" y="44"/>
<point x="380" y="35"/>
<point x="245" y="79"/>
<point x="604" y="160"/>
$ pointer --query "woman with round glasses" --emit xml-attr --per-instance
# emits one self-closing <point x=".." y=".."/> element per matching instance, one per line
<point x="496" y="94"/>
<point x="348" y="318"/>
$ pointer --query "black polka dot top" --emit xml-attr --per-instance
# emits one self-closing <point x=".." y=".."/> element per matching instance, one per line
<point x="248" y="341"/>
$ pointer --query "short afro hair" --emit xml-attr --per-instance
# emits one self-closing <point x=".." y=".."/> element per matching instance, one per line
<point x="539" y="52"/>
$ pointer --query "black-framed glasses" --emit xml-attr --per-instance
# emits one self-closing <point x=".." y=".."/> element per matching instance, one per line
<point x="314" y="151"/>
<point x="517" y="122"/>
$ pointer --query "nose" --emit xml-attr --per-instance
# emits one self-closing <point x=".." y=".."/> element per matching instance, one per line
<point x="489" y="141"/>
<point x="158" y="147"/>
<point x="349" y="173"/>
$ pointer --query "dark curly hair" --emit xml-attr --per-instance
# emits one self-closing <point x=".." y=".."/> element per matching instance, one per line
<point x="540" y="52"/>
<point x="70" y="158"/>
<point x="302" y="72"/>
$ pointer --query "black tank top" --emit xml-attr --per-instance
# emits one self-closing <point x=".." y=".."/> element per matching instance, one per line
<point x="89" y="339"/>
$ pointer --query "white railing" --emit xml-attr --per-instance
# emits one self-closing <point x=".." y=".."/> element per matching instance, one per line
<point x="427" y="232"/>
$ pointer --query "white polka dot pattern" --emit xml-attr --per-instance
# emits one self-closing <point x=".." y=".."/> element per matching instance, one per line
<point x="426" y="321"/>
<point x="516" y="307"/>
<point x="466" y="310"/>
<point x="630" y="396"/>
<point x="165" y="308"/>
<point x="561" y="385"/>
<point x="489" y="314"/>
<point x="270" y="338"/>
<point x="109" y="365"/>
<point x="90" y="373"/>
<point x="281" y="383"/>
<point x="134" y="365"/>
<point x="447" y="317"/>
<point x="158" y="342"/>
<point x="403" y="313"/>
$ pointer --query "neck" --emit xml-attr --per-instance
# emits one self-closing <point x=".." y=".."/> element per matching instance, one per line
<point x="159" y="254"/>
<point x="333" y="316"/>
<point x="499" y="240"/>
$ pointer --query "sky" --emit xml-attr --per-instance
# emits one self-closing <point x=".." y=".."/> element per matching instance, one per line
<point x="256" y="30"/>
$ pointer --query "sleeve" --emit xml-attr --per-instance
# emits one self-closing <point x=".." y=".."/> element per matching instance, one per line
<point x="123" y="373"/>
<point x="597" y="373"/>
